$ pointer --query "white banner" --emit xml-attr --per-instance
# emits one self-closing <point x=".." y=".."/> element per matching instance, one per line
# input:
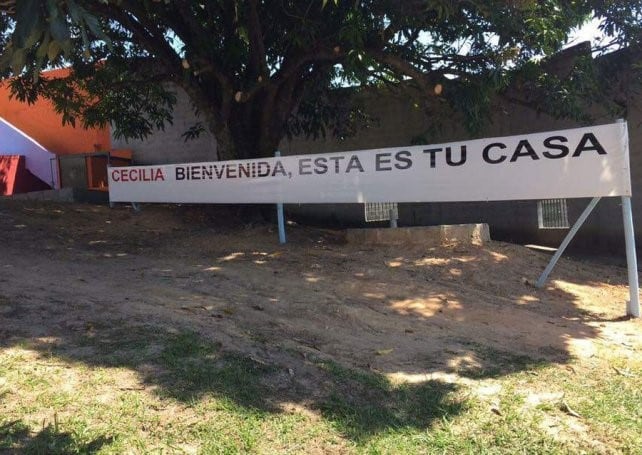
<point x="580" y="162"/>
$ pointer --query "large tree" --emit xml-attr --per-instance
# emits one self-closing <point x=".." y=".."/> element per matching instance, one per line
<point x="256" y="70"/>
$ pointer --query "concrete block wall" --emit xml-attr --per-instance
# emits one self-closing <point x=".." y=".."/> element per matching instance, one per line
<point x="512" y="221"/>
<point x="73" y="171"/>
<point x="427" y="237"/>
<point x="399" y="123"/>
<point x="168" y="145"/>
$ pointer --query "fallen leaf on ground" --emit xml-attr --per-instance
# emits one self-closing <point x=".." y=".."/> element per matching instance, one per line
<point x="384" y="351"/>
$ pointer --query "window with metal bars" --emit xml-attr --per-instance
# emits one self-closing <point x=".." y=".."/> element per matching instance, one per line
<point x="552" y="214"/>
<point x="380" y="211"/>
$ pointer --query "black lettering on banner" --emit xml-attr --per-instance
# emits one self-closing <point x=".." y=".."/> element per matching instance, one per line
<point x="527" y="151"/>
<point x="263" y="169"/>
<point x="432" y="156"/>
<point x="320" y="166"/>
<point x="115" y="176"/>
<point x="354" y="163"/>
<point x="336" y="160"/>
<point x="244" y="169"/>
<point x="380" y="160"/>
<point x="279" y="169"/>
<point x="584" y="145"/>
<point x="304" y="166"/>
<point x="462" y="156"/>
<point x="549" y="144"/>
<point x="195" y="173"/>
<point x="486" y="153"/>
<point x="180" y="173"/>
<point x="403" y="160"/>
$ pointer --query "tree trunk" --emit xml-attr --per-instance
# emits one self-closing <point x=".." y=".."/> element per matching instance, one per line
<point x="243" y="130"/>
<point x="243" y="142"/>
<point x="225" y="146"/>
<point x="251" y="138"/>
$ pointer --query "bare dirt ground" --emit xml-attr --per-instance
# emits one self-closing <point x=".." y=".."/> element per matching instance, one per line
<point x="411" y="314"/>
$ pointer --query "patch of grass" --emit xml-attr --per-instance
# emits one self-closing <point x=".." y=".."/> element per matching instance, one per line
<point x="615" y="403"/>
<point x="17" y="437"/>
<point x="145" y="390"/>
<point x="608" y="401"/>
<point x="193" y="367"/>
<point x="347" y="375"/>
<point x="12" y="434"/>
<point x="508" y="427"/>
<point x="179" y="368"/>
<point x="431" y="417"/>
<point x="492" y="362"/>
<point x="363" y="404"/>
<point x="113" y="347"/>
<point x="185" y="365"/>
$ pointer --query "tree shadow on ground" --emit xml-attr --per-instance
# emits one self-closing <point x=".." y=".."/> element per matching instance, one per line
<point x="185" y="367"/>
<point x="16" y="437"/>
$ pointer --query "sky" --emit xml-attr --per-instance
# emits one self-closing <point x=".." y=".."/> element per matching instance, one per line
<point x="588" y="32"/>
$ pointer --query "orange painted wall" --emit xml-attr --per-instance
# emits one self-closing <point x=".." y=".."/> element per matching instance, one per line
<point x="41" y="122"/>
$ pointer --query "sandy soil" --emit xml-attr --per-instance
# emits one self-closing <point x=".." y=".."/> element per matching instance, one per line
<point x="408" y="313"/>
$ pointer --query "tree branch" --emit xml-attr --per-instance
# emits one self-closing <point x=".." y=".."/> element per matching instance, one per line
<point x="258" y="62"/>
<point x="397" y="63"/>
<point x="145" y="31"/>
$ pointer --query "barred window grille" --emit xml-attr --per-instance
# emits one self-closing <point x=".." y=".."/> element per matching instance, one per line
<point x="552" y="214"/>
<point x="380" y="211"/>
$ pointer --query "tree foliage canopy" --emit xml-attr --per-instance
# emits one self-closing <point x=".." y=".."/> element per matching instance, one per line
<point x="256" y="70"/>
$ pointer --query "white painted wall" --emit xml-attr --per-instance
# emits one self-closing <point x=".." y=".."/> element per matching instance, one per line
<point x="37" y="158"/>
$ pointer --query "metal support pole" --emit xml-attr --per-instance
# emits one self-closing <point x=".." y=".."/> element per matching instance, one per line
<point x="580" y="221"/>
<point x="393" y="218"/>
<point x="279" y="214"/>
<point x="111" y="203"/>
<point x="633" y="306"/>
